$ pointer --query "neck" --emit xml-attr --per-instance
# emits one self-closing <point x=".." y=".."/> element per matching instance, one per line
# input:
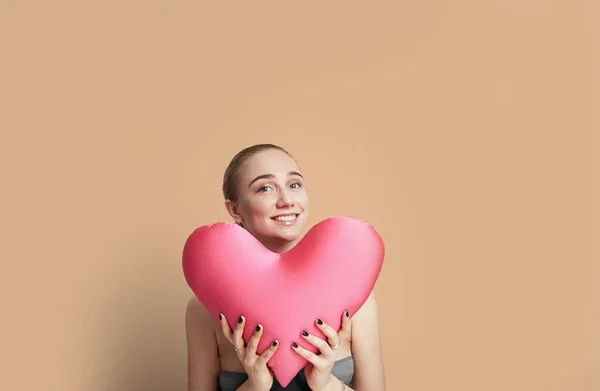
<point x="280" y="247"/>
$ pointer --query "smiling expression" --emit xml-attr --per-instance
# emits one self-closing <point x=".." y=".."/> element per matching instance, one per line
<point x="272" y="202"/>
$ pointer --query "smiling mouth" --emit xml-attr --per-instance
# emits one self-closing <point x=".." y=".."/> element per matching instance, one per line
<point x="286" y="218"/>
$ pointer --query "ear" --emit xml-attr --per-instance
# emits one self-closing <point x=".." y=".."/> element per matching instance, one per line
<point x="233" y="211"/>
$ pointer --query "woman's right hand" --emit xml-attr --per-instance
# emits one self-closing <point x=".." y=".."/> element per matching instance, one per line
<point x="255" y="366"/>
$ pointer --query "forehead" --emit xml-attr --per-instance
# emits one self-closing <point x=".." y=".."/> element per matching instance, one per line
<point x="271" y="161"/>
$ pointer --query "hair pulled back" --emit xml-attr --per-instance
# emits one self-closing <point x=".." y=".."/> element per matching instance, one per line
<point x="231" y="176"/>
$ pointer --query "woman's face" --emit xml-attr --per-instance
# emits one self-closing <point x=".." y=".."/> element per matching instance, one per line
<point x="272" y="202"/>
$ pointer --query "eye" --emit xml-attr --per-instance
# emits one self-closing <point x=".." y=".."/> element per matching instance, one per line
<point x="295" y="185"/>
<point x="262" y="189"/>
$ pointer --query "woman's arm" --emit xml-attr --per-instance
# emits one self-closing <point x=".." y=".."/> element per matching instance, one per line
<point x="202" y="350"/>
<point x="366" y="348"/>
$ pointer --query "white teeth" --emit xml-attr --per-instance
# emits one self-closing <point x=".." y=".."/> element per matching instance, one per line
<point x="286" y="218"/>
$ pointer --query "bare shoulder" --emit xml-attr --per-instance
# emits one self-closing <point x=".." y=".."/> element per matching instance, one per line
<point x="198" y="320"/>
<point x="368" y="311"/>
<point x="195" y="311"/>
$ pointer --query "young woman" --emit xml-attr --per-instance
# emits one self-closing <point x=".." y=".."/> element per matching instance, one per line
<point x="265" y="194"/>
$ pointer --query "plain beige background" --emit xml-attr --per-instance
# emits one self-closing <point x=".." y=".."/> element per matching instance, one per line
<point x="466" y="132"/>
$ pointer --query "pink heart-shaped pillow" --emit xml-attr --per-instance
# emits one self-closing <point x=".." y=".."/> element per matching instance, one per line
<point x="333" y="268"/>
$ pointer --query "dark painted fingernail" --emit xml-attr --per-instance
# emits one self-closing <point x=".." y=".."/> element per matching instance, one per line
<point x="220" y="317"/>
<point x="257" y="328"/>
<point x="240" y="320"/>
<point x="295" y="345"/>
<point x="275" y="343"/>
<point x="319" y="322"/>
<point x="347" y="315"/>
<point x="304" y="333"/>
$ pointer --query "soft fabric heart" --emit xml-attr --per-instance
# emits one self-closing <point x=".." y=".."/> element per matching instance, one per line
<point x="333" y="268"/>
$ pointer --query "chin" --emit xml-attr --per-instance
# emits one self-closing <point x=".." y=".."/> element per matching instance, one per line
<point x="287" y="237"/>
<point x="287" y="234"/>
<point x="278" y="232"/>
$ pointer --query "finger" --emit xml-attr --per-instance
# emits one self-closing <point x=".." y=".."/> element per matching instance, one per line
<point x="317" y="342"/>
<point x="238" y="332"/>
<point x="254" y="340"/>
<point x="315" y="360"/>
<point x="225" y="328"/>
<point x="346" y="321"/>
<point x="329" y="332"/>
<point x="268" y="353"/>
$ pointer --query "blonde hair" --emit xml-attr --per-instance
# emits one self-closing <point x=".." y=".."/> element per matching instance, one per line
<point x="231" y="176"/>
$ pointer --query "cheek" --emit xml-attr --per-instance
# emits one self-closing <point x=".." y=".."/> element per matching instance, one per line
<point x="260" y="207"/>
<point x="303" y="201"/>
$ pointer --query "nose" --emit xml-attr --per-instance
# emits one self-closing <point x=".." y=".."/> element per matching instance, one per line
<point x="285" y="200"/>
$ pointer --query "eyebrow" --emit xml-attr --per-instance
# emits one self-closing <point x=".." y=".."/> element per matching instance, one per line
<point x="271" y="176"/>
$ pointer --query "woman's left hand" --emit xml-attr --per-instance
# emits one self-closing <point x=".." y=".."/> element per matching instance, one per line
<point x="318" y="370"/>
